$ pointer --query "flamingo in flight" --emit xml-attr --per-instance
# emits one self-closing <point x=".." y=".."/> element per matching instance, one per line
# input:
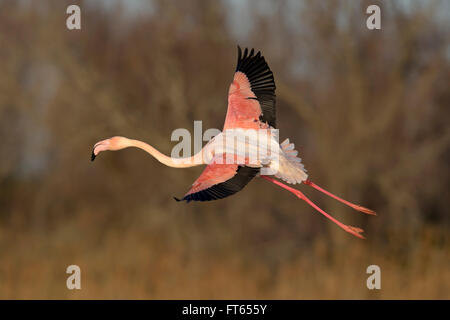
<point x="251" y="105"/>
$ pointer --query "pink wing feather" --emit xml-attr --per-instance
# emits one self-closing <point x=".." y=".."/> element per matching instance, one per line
<point x="251" y="96"/>
<point x="218" y="181"/>
<point x="213" y="174"/>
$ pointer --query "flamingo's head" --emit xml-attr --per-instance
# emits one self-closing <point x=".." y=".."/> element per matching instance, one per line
<point x="111" y="144"/>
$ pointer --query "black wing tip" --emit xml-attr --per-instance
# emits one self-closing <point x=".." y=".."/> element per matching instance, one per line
<point x="262" y="82"/>
<point x="93" y="156"/>
<point x="182" y="199"/>
<point x="255" y="67"/>
<point x="227" y="188"/>
<point x="198" y="196"/>
<point x="246" y="56"/>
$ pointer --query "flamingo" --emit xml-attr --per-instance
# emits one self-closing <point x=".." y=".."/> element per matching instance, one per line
<point x="251" y="105"/>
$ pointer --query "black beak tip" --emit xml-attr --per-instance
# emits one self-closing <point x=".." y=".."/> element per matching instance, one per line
<point x="178" y="200"/>
<point x="92" y="156"/>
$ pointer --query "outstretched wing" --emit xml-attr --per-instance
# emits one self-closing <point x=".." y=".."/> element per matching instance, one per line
<point x="251" y="97"/>
<point x="219" y="181"/>
<point x="251" y="105"/>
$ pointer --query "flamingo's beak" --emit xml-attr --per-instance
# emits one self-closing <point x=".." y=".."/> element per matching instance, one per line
<point x="99" y="147"/>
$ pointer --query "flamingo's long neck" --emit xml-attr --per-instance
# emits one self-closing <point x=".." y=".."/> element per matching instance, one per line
<point x="193" y="161"/>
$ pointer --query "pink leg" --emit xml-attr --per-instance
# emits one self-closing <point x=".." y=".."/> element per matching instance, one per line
<point x="354" y="206"/>
<point x="353" y="230"/>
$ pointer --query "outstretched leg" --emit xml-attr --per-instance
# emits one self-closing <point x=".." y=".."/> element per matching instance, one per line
<point x="353" y="230"/>
<point x="354" y="206"/>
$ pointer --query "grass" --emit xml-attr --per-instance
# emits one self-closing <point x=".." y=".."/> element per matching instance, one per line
<point x="137" y="264"/>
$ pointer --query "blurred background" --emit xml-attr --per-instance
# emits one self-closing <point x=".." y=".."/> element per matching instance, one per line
<point x="367" y="110"/>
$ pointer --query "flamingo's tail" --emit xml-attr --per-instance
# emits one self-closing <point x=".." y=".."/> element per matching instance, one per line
<point x="353" y="230"/>
<point x="290" y="167"/>
<point x="354" y="206"/>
